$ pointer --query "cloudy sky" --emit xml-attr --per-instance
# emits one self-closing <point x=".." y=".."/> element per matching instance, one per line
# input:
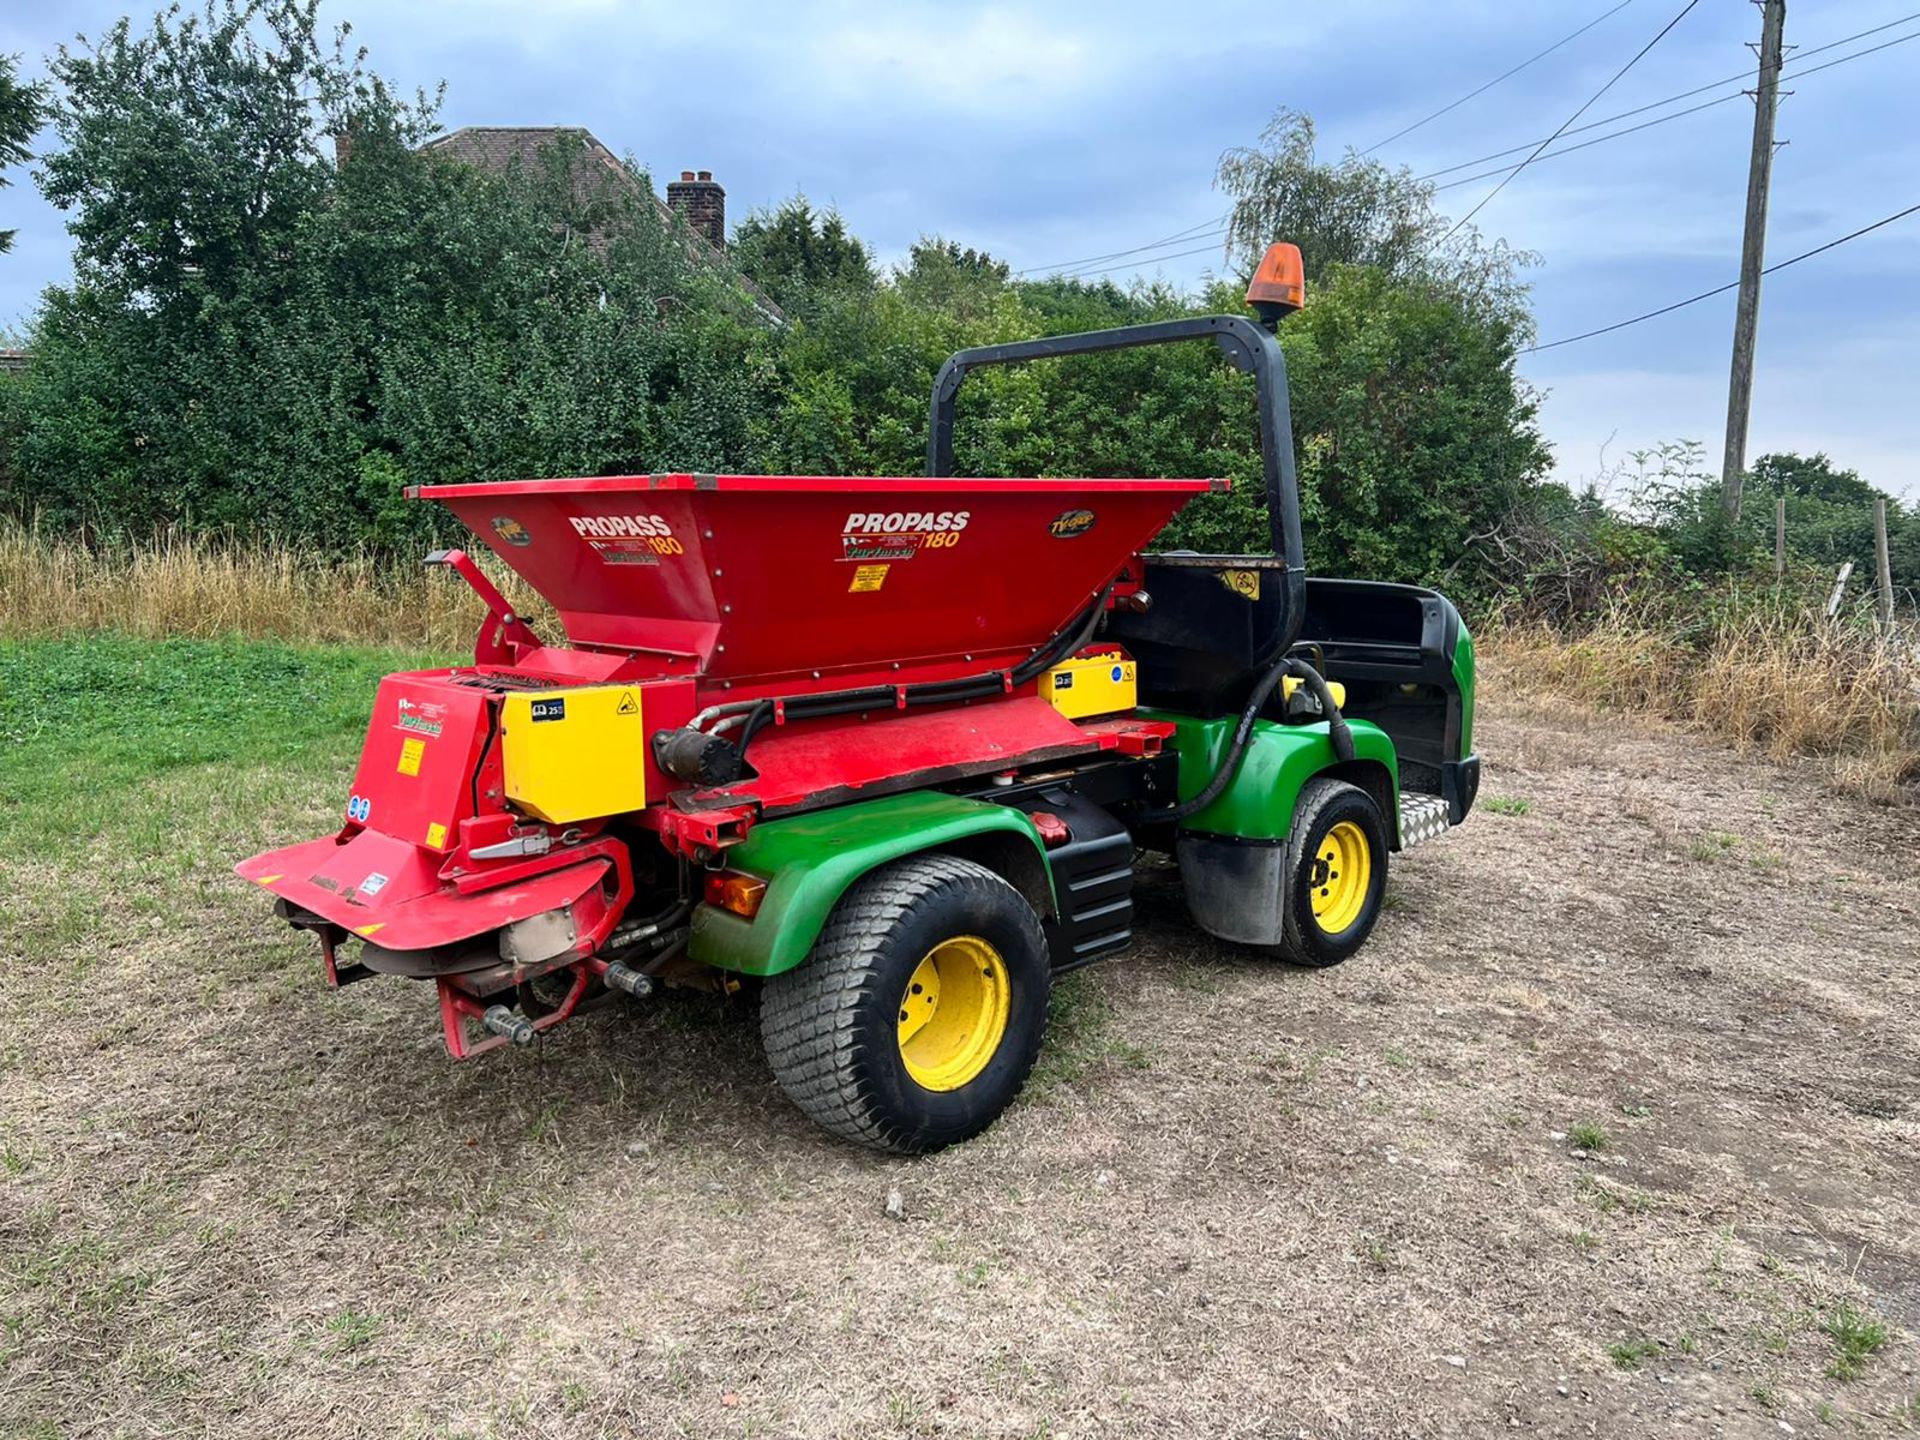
<point x="1051" y="132"/>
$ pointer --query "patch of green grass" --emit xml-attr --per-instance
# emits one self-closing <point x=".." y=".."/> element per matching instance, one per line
<point x="93" y="718"/>
<point x="1856" y="1335"/>
<point x="1507" y="805"/>
<point x="1688" y="1342"/>
<point x="1584" y="1240"/>
<point x="1627" y="1354"/>
<point x="350" y="1330"/>
<point x="1712" y="845"/>
<point x="1397" y="1058"/>
<point x="1764" y="1396"/>
<point x="1587" y="1135"/>
<point x="1373" y="1251"/>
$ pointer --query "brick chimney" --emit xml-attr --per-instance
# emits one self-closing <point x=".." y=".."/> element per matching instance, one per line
<point x="704" y="203"/>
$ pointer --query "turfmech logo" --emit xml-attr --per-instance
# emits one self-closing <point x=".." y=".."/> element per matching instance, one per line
<point x="907" y="522"/>
<point x="621" y="527"/>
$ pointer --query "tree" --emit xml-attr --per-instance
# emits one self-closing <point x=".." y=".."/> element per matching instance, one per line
<point x="1413" y="433"/>
<point x="256" y="338"/>
<point x="1360" y="212"/>
<point x="795" y="249"/>
<point x="22" y="112"/>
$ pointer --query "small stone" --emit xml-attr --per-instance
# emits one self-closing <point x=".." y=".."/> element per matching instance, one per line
<point x="1556" y="1134"/>
<point x="1458" y="1362"/>
<point x="1561" y="1391"/>
<point x="896" y="1204"/>
<point x="638" y="1149"/>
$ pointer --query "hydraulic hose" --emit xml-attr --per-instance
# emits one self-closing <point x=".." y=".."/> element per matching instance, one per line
<point x="754" y="715"/>
<point x="1339" y="733"/>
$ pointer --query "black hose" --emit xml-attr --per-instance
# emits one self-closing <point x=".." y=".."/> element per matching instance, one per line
<point x="932" y="692"/>
<point x="1338" y="732"/>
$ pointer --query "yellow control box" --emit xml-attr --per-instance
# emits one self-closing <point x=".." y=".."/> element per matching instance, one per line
<point x="574" y="754"/>
<point x="1092" y="685"/>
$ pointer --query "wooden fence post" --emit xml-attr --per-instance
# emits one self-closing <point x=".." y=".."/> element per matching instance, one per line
<point x="1885" y="566"/>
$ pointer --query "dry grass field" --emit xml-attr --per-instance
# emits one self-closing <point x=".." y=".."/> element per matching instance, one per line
<point x="1611" y="1131"/>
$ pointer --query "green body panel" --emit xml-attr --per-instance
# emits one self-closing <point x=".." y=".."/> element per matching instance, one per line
<point x="1463" y="677"/>
<point x="1259" y="803"/>
<point x="809" y="862"/>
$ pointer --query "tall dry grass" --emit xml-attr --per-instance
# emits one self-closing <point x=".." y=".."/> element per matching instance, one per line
<point x="1770" y="678"/>
<point x="176" y="585"/>
<point x="1776" y="679"/>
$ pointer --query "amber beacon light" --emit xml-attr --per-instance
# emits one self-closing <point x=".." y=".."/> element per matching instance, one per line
<point x="1279" y="285"/>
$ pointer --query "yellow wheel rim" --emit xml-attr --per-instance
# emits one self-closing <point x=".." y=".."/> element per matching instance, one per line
<point x="953" y="1013"/>
<point x="1342" y="874"/>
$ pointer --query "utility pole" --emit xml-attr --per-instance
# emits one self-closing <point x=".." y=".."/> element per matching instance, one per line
<point x="1753" y="251"/>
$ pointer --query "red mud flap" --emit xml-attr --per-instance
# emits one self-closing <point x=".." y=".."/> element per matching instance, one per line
<point x="383" y="889"/>
<point x="390" y="892"/>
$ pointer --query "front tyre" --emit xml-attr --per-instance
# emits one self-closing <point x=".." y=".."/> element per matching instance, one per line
<point x="1337" y="873"/>
<point x="919" y="1015"/>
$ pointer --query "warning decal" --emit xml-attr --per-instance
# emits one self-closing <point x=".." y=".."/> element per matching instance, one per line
<point x="436" y="835"/>
<point x="1242" y="582"/>
<point x="868" y="577"/>
<point x="410" y="752"/>
<point x="629" y="704"/>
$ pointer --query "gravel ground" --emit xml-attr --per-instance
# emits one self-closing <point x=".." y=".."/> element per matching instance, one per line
<point x="1610" y="1131"/>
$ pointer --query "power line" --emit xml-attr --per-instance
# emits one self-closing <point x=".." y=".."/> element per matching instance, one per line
<point x="1072" y="268"/>
<point x="1597" y="140"/>
<point x="1497" y="79"/>
<point x="1662" y="119"/>
<point x="1722" y="289"/>
<point x="1177" y="235"/>
<point x="1202" y="250"/>
<point x="1617" y="76"/>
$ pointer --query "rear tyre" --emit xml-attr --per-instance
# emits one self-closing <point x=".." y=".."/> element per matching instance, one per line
<point x="1337" y="873"/>
<point x="919" y="1015"/>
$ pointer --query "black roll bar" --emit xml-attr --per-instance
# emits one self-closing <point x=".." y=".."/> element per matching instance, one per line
<point x="1250" y="348"/>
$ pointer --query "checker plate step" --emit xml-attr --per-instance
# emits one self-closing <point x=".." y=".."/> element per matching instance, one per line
<point x="1422" y="818"/>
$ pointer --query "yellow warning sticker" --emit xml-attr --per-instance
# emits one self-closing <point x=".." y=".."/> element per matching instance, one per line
<point x="1242" y="582"/>
<point x="369" y="929"/>
<point x="629" y="704"/>
<point x="868" y="577"/>
<point x="436" y="835"/>
<point x="410" y="753"/>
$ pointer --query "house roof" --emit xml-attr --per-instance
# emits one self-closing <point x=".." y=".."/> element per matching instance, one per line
<point x="499" y="148"/>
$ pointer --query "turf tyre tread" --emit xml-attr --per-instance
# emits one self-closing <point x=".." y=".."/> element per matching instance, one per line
<point x="1323" y="803"/>
<point x="816" y="1020"/>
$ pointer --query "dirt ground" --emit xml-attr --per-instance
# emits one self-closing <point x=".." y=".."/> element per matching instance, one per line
<point x="1238" y="1201"/>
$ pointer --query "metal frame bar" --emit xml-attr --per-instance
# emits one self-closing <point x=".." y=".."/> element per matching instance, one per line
<point x="1251" y="349"/>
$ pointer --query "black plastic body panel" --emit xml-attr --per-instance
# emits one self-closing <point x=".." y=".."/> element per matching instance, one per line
<point x="1092" y="880"/>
